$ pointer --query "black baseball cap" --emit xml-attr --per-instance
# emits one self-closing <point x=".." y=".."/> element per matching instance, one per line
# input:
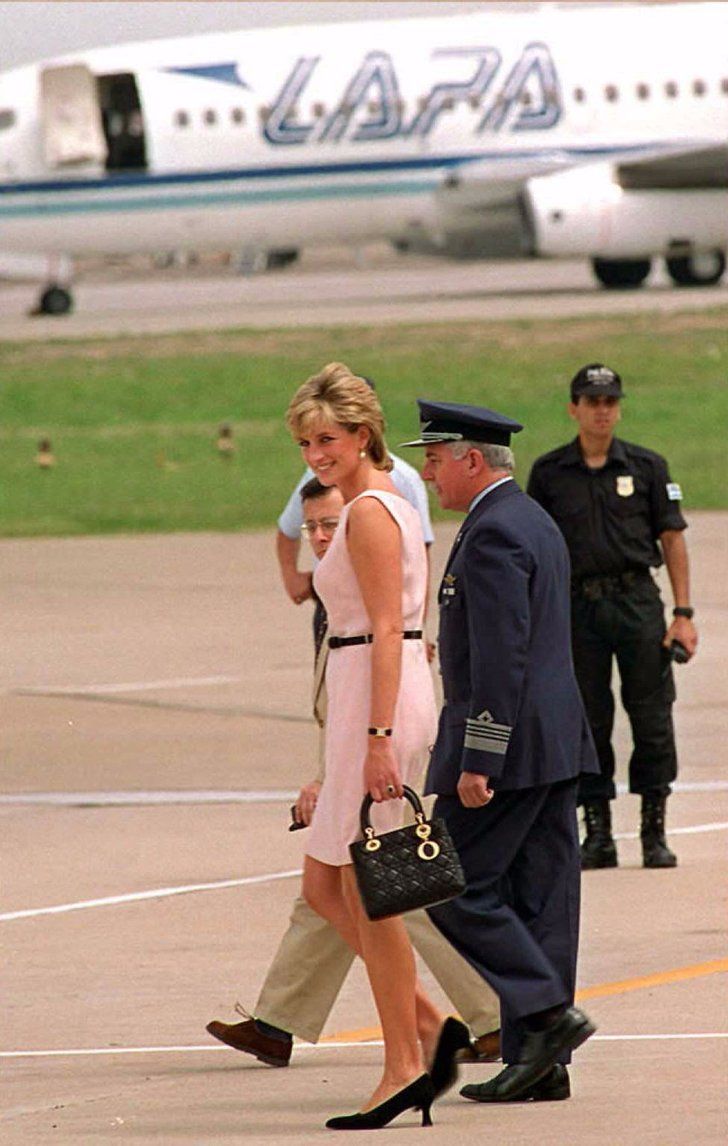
<point x="596" y="380"/>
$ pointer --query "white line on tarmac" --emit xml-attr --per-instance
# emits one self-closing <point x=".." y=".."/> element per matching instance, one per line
<point x="112" y="799"/>
<point x="164" y="892"/>
<point x="131" y="686"/>
<point x="231" y="796"/>
<point x="156" y="893"/>
<point x="322" y="1046"/>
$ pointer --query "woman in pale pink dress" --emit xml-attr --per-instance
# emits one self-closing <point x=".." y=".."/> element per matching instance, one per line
<point x="381" y="712"/>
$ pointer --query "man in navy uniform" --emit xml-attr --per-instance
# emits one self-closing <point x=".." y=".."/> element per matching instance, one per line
<point x="512" y="741"/>
<point x="619" y="512"/>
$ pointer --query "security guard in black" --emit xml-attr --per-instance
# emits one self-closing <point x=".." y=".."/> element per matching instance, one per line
<point x="619" y="512"/>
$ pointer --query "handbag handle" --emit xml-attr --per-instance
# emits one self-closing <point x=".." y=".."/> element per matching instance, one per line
<point x="366" y="804"/>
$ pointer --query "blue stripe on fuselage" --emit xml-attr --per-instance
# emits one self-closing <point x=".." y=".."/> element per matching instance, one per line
<point x="215" y="199"/>
<point x="119" y="180"/>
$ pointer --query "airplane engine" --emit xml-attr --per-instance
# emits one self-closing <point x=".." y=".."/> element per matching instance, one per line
<point x="585" y="211"/>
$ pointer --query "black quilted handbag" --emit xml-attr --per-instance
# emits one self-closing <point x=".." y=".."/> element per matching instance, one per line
<point x="415" y="866"/>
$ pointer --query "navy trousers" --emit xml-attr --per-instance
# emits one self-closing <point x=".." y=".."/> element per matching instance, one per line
<point x="517" y="922"/>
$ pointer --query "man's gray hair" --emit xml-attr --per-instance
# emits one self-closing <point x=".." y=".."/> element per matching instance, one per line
<point x="497" y="457"/>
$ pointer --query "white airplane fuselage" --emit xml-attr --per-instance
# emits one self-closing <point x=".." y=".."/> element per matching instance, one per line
<point x="421" y="131"/>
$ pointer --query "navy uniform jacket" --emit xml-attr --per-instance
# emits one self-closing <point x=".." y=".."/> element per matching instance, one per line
<point x="512" y="710"/>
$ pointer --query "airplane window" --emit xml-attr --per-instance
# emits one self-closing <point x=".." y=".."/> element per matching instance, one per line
<point x="181" y="119"/>
<point x="474" y="102"/>
<point x="263" y="113"/>
<point x="724" y="86"/>
<point x="643" y="91"/>
<point x="579" y="95"/>
<point x="210" y="117"/>
<point x="319" y="109"/>
<point x="611" y="93"/>
<point x="699" y="87"/>
<point x="374" y="107"/>
<point x="671" y="89"/>
<point x="237" y="115"/>
<point x="525" y="98"/>
<point x="7" y="118"/>
<point x="421" y="103"/>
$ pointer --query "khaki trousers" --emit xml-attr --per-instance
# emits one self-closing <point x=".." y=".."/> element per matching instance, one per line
<point x="312" y="961"/>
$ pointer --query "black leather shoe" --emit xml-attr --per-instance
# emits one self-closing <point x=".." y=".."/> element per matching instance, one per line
<point x="542" y="1049"/>
<point x="454" y="1037"/>
<point x="553" y="1087"/>
<point x="417" y="1096"/>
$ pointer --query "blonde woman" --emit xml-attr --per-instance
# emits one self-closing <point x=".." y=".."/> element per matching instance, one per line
<point x="381" y="714"/>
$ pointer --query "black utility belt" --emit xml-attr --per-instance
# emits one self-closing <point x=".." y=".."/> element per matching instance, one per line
<point x="609" y="585"/>
<point x="367" y="638"/>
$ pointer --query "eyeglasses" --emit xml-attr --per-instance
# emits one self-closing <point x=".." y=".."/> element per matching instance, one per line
<point x="327" y="525"/>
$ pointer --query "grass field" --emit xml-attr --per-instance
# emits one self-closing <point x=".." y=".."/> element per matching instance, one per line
<point x="133" y="422"/>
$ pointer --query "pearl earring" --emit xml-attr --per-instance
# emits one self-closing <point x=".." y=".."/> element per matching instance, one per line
<point x="362" y="454"/>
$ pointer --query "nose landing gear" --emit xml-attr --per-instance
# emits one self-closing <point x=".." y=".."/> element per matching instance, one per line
<point x="54" y="299"/>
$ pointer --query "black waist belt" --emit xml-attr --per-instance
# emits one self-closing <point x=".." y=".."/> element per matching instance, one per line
<point x="595" y="588"/>
<point x="367" y="638"/>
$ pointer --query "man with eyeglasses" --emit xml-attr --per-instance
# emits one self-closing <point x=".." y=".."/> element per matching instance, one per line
<point x="312" y="961"/>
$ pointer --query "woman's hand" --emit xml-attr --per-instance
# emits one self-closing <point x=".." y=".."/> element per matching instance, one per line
<point x="306" y="802"/>
<point x="381" y="773"/>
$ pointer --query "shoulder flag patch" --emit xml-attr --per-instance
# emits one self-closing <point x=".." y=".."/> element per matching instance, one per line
<point x="674" y="492"/>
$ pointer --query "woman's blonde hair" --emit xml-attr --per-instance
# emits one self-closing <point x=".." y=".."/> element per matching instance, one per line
<point x="336" y="395"/>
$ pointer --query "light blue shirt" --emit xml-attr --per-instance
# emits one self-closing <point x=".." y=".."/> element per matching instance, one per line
<point x="405" y="477"/>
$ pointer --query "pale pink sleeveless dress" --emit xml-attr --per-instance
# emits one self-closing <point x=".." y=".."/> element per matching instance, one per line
<point x="335" y="822"/>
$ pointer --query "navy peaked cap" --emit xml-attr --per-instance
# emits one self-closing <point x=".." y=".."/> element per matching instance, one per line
<point x="454" y="422"/>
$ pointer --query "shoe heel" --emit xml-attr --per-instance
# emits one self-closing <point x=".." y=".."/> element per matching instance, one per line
<point x="426" y="1116"/>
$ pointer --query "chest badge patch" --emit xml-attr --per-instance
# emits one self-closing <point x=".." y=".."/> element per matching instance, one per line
<point x="448" y="585"/>
<point x="625" y="485"/>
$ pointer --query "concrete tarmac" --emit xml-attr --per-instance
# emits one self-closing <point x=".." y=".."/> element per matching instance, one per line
<point x="335" y="287"/>
<point x="154" y="697"/>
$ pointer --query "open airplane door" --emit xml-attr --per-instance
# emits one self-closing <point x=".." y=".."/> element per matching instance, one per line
<point x="71" y="117"/>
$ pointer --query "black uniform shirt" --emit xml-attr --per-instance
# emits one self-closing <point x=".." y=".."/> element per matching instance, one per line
<point x="611" y="517"/>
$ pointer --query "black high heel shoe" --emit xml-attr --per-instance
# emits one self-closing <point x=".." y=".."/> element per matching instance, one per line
<point x="419" y="1095"/>
<point x="454" y="1037"/>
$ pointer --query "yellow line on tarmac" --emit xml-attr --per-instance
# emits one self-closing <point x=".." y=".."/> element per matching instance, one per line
<point x="620" y="987"/>
<point x="659" y="979"/>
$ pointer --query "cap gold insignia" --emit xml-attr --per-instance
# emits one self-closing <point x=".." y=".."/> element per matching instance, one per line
<point x="625" y="485"/>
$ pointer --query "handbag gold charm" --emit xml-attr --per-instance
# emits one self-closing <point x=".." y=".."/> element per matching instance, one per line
<point x="372" y="843"/>
<point x="428" y="849"/>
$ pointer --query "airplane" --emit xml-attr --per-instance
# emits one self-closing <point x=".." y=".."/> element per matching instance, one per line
<point x="557" y="130"/>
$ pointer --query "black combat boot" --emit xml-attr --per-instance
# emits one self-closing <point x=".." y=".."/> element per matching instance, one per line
<point x="598" y="848"/>
<point x="655" y="852"/>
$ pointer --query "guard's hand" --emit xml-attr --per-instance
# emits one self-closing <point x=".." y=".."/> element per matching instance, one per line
<point x="306" y="802"/>
<point x="430" y="650"/>
<point x="381" y="772"/>
<point x="683" y="630"/>
<point x="298" y="586"/>
<point x="473" y="790"/>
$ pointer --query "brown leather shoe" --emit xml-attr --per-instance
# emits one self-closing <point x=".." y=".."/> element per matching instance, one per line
<point x="246" y="1037"/>
<point x="485" y="1049"/>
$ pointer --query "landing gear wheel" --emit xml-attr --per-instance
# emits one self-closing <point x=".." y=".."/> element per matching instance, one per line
<point x="55" y="300"/>
<point x="705" y="269"/>
<point x="621" y="274"/>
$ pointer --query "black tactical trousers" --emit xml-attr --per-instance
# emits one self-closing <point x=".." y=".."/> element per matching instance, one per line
<point x="630" y="626"/>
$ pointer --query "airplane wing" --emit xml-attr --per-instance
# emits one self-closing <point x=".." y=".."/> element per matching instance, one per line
<point x="686" y="169"/>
